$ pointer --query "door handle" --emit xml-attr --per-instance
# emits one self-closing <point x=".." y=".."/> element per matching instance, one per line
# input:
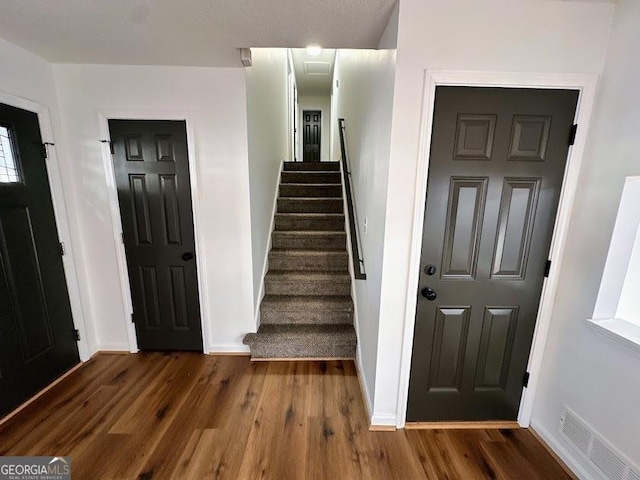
<point x="187" y="256"/>
<point x="429" y="294"/>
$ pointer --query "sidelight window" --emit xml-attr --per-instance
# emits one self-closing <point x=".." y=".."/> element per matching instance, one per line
<point x="8" y="165"/>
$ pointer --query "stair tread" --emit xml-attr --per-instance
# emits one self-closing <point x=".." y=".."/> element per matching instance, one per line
<point x="336" y="334"/>
<point x="312" y="214"/>
<point x="308" y="275"/>
<point x="298" y="252"/>
<point x="330" y="302"/>
<point x="314" y="172"/>
<point x="311" y="199"/>
<point x="310" y="184"/>
<point x="323" y="162"/>
<point x="309" y="232"/>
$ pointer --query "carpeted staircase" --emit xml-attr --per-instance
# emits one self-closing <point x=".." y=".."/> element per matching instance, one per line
<point x="307" y="310"/>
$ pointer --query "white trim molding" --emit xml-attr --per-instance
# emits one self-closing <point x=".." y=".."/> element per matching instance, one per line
<point x="103" y="120"/>
<point x="229" y="348"/>
<point x="60" y="213"/>
<point x="586" y="85"/>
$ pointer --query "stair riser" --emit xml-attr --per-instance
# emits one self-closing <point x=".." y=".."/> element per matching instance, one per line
<point x="306" y="288"/>
<point x="317" y="263"/>
<point x="306" y="317"/>
<point x="330" y="205"/>
<point x="332" y="191"/>
<point x="311" y="167"/>
<point x="311" y="177"/>
<point x="295" y="350"/>
<point x="285" y="223"/>
<point x="309" y="242"/>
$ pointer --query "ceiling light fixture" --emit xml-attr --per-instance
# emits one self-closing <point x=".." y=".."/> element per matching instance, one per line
<point x="314" y="50"/>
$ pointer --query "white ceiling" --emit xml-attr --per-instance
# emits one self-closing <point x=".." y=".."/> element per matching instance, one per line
<point x="313" y="73"/>
<point x="178" y="32"/>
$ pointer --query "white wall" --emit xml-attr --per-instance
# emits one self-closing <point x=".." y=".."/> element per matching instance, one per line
<point x="28" y="76"/>
<point x="268" y="130"/>
<point x="593" y="376"/>
<point x="215" y="98"/>
<point x="364" y="99"/>
<point x="492" y="35"/>
<point x="322" y="103"/>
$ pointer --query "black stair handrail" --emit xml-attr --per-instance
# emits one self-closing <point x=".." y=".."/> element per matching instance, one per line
<point x="356" y="247"/>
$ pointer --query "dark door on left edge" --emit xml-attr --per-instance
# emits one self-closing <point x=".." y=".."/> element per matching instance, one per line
<point x="154" y="193"/>
<point x="312" y="134"/>
<point x="37" y="337"/>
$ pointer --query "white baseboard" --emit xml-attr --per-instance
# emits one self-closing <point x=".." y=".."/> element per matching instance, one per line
<point x="383" y="420"/>
<point x="363" y="382"/>
<point x="112" y="347"/>
<point x="230" y="348"/>
<point x="567" y="457"/>
<point x="265" y="265"/>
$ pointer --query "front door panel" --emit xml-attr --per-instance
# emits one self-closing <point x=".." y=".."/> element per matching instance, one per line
<point x="496" y="168"/>
<point x="154" y="193"/>
<point x="37" y="339"/>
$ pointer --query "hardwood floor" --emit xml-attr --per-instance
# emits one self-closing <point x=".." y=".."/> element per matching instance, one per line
<point x="191" y="416"/>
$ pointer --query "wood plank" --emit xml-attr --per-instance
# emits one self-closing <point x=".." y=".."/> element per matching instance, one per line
<point x="32" y="399"/>
<point x="185" y="415"/>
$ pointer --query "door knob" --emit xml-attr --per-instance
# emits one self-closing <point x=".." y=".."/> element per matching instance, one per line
<point x="429" y="294"/>
<point x="187" y="256"/>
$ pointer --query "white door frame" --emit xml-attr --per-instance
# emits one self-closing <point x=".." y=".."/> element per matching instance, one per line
<point x="103" y="120"/>
<point x="586" y="84"/>
<point x="59" y="212"/>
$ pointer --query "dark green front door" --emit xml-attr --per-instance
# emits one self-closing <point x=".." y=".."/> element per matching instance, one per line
<point x="37" y="337"/>
<point x="154" y="192"/>
<point x="496" y="169"/>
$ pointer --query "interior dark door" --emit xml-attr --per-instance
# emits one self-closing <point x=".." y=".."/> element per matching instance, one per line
<point x="312" y="134"/>
<point x="154" y="193"/>
<point x="37" y="337"/>
<point x="496" y="168"/>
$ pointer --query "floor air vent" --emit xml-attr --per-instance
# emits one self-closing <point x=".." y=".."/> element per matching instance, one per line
<point x="611" y="463"/>
<point x="633" y="475"/>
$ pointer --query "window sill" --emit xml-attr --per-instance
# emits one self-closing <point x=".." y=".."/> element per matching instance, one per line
<point x="622" y="332"/>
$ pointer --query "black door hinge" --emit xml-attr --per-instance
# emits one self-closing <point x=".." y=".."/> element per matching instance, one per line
<point x="525" y="379"/>
<point x="76" y="334"/>
<point x="110" y="145"/>
<point x="572" y="134"/>
<point x="132" y="320"/>
<point x="547" y="268"/>
<point x="62" y="249"/>
<point x="43" y="146"/>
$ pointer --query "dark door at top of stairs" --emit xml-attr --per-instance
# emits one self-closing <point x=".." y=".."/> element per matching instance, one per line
<point x="152" y="173"/>
<point x="312" y="135"/>
<point x="37" y="337"/>
<point x="495" y="174"/>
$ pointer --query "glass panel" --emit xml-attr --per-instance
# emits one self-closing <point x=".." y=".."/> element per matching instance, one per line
<point x="8" y="168"/>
